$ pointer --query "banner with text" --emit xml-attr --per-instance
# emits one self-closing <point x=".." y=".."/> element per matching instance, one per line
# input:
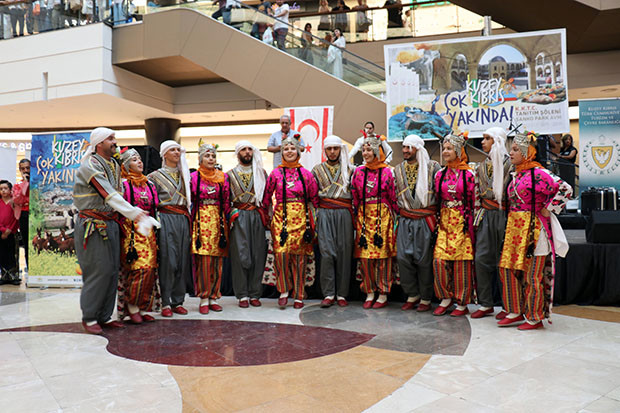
<point x="55" y="160"/>
<point x="475" y="83"/>
<point x="599" y="143"/>
<point x="314" y="124"/>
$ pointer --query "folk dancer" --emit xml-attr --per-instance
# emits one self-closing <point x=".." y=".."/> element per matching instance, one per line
<point x="210" y="210"/>
<point x="138" y="280"/>
<point x="172" y="183"/>
<point x="454" y="248"/>
<point x="292" y="226"/>
<point x="492" y="177"/>
<point x="97" y="197"/>
<point x="533" y="237"/>
<point x="248" y="244"/>
<point x="417" y="204"/>
<point x="374" y="202"/>
<point x="334" y="221"/>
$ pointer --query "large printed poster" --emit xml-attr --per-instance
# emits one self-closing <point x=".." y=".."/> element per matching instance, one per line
<point x="55" y="160"/>
<point x="475" y="83"/>
<point x="599" y="143"/>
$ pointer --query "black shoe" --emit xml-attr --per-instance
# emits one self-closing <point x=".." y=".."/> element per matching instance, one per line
<point x="16" y="281"/>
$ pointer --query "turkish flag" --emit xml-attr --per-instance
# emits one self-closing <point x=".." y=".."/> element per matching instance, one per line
<point x="314" y="124"/>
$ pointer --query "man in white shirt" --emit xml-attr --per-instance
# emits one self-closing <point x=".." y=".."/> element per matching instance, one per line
<point x="275" y="140"/>
<point x="281" y="24"/>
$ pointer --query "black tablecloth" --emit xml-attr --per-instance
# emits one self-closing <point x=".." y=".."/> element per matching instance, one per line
<point x="588" y="275"/>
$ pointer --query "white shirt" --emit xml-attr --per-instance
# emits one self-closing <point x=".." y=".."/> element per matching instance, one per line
<point x="282" y="22"/>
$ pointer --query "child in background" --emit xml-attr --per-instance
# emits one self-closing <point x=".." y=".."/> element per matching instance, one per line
<point x="8" y="229"/>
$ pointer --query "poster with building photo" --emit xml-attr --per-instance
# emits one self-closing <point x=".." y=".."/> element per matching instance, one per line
<point x="474" y="83"/>
<point x="55" y="160"/>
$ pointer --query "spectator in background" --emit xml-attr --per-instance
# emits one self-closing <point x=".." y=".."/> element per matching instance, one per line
<point x="281" y="24"/>
<point x="218" y="13"/>
<point x="362" y="22"/>
<point x="566" y="160"/>
<point x="334" y="53"/>
<point x="17" y="12"/>
<point x="395" y="14"/>
<point x="341" y="20"/>
<point x="259" y="27"/>
<point x="8" y="228"/>
<point x="306" y="44"/>
<point x="324" y="22"/>
<point x="58" y="14"/>
<point x="275" y="140"/>
<point x="545" y="145"/>
<point x="21" y="201"/>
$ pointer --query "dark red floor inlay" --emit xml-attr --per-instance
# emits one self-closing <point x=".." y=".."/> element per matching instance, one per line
<point x="219" y="342"/>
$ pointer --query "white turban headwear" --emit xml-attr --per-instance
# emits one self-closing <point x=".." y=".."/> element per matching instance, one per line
<point x="498" y="154"/>
<point x="421" y="188"/>
<point x="97" y="136"/>
<point x="183" y="166"/>
<point x="257" y="169"/>
<point x="333" y="140"/>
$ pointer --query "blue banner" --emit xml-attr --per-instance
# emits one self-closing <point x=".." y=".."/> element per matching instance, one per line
<point x="599" y="143"/>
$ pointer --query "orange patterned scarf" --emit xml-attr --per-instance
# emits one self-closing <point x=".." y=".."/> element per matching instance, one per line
<point x="212" y="175"/>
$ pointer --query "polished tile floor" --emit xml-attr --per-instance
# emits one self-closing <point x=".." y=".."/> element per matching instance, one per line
<point x="318" y="360"/>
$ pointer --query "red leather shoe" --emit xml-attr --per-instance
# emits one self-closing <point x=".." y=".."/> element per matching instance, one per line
<point x="255" y="302"/>
<point x="203" y="309"/>
<point x="481" y="313"/>
<point x="528" y="326"/>
<point x="327" y="302"/>
<point x="342" y="302"/>
<point x="166" y="312"/>
<point x="409" y="305"/>
<point x="459" y="313"/>
<point x="94" y="329"/>
<point x="501" y="315"/>
<point x="215" y="307"/>
<point x="135" y="318"/>
<point x="378" y="305"/>
<point x="422" y="308"/>
<point x="510" y="321"/>
<point x="441" y="310"/>
<point x="179" y="309"/>
<point x="148" y="318"/>
<point x="282" y="302"/>
<point x="367" y="304"/>
<point x="244" y="303"/>
<point x="113" y="324"/>
<point x="297" y="305"/>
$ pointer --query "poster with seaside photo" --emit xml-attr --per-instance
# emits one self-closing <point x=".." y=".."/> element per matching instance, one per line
<point x="475" y="83"/>
<point x="55" y="160"/>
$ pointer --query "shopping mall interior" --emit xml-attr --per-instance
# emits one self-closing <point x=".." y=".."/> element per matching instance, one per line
<point x="162" y="70"/>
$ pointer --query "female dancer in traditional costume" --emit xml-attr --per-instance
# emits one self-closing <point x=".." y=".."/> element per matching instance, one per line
<point x="210" y="210"/>
<point x="374" y="202"/>
<point x="533" y="237"/>
<point x="292" y="226"/>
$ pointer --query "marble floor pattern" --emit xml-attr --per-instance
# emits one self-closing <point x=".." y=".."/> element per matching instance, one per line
<point x="319" y="360"/>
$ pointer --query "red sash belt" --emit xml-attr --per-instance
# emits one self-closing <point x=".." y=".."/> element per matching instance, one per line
<point x="490" y="204"/>
<point x="174" y="209"/>
<point x="246" y="206"/>
<point x="101" y="215"/>
<point x="427" y="214"/>
<point x="336" y="203"/>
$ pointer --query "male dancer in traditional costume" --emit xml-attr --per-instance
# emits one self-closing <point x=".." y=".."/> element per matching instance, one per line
<point x="172" y="182"/>
<point x="96" y="195"/>
<point x="334" y="221"/>
<point x="416" y="200"/>
<point x="248" y="244"/>
<point x="492" y="176"/>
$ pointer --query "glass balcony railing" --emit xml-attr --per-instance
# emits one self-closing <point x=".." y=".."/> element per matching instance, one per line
<point x="329" y="56"/>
